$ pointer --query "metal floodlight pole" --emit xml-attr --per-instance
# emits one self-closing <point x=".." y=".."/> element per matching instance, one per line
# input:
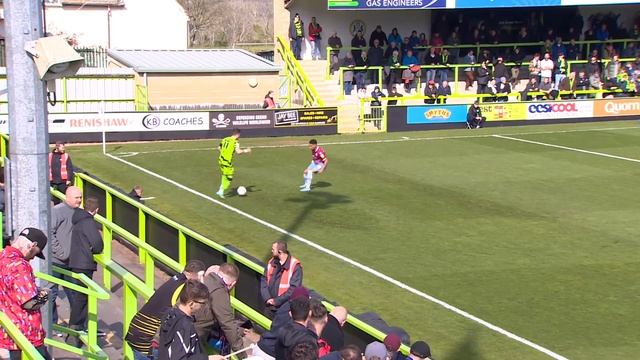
<point x="28" y="128"/>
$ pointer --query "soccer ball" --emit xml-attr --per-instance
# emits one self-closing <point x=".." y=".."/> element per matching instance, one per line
<point x="242" y="191"/>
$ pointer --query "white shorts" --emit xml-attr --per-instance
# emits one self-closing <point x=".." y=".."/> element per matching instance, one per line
<point x="314" y="167"/>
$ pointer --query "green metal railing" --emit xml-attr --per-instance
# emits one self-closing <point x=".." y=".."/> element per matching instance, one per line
<point x="584" y="50"/>
<point x="135" y="288"/>
<point x="28" y="350"/>
<point x="140" y="99"/>
<point x="94" y="293"/>
<point x="297" y="78"/>
<point x="149" y="257"/>
<point x="454" y="68"/>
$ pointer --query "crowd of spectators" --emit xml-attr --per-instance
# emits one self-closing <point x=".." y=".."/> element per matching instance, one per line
<point x="496" y="70"/>
<point x="189" y="312"/>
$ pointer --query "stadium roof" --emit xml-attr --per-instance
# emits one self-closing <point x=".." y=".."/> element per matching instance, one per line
<point x="193" y="61"/>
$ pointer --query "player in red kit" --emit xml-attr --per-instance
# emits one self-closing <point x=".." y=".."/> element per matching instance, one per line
<point x="319" y="162"/>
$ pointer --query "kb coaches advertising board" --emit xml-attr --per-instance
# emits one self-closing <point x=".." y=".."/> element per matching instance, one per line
<point x="126" y="122"/>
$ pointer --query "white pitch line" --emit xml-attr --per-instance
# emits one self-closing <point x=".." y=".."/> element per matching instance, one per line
<point x="351" y="262"/>
<point x="568" y="148"/>
<point x="404" y="138"/>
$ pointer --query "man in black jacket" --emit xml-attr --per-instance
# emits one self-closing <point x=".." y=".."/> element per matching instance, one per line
<point x="376" y="58"/>
<point x="178" y="337"/>
<point x="297" y="331"/>
<point x="86" y="241"/>
<point x="474" y="116"/>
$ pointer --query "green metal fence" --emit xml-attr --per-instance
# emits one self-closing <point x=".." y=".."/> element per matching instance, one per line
<point x="585" y="47"/>
<point x="297" y="79"/>
<point x="141" y="231"/>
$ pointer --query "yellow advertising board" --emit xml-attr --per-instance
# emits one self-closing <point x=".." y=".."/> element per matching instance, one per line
<point x="504" y="111"/>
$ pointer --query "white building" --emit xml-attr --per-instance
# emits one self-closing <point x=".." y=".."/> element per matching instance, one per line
<point x="130" y="24"/>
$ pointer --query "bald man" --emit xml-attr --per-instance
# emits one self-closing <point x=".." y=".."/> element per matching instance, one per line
<point x="333" y="333"/>
<point x="61" y="227"/>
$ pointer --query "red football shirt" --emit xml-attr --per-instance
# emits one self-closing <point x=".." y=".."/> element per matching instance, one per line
<point x="17" y="286"/>
<point x="319" y="156"/>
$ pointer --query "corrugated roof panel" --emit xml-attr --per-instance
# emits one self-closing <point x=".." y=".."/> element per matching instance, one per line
<point x="193" y="60"/>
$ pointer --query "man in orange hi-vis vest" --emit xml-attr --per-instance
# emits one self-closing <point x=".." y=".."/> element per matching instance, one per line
<point x="283" y="274"/>
<point x="60" y="168"/>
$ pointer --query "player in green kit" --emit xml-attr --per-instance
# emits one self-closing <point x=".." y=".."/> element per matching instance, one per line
<point x="229" y="146"/>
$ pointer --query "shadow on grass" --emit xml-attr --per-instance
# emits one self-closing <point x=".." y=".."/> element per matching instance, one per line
<point x="467" y="349"/>
<point x="313" y="200"/>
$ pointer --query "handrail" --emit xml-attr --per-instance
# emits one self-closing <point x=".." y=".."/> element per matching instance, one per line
<point x="28" y="350"/>
<point x="295" y="71"/>
<point x="183" y="229"/>
<point x="134" y="286"/>
<point x="357" y="323"/>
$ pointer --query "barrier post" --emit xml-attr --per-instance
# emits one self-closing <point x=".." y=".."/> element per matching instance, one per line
<point x="341" y="84"/>
<point x="65" y="96"/>
<point x="129" y="308"/>
<point x="329" y="55"/>
<point x="141" y="234"/>
<point x="107" y="236"/>
<point x="182" y="248"/>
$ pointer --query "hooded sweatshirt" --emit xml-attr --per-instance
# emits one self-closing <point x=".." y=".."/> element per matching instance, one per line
<point x="85" y="241"/>
<point x="178" y="338"/>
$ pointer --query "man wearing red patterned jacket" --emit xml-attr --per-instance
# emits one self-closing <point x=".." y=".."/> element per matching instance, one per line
<point x="319" y="162"/>
<point x="20" y="298"/>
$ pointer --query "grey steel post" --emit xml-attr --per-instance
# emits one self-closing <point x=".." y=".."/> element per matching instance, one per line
<point x="28" y="129"/>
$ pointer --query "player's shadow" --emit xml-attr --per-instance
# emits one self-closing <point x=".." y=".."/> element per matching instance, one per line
<point x="313" y="200"/>
<point x="466" y="349"/>
<point x="321" y="184"/>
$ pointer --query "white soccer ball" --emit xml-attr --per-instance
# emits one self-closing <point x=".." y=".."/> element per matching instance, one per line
<point x="253" y="82"/>
<point x="242" y="191"/>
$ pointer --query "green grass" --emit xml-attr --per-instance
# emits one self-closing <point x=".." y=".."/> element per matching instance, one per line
<point x="542" y="242"/>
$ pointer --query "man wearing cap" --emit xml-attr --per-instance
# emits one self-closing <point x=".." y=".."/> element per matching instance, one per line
<point x="420" y="350"/>
<point x="20" y="298"/>
<point x="60" y="169"/>
<point x="392" y="342"/>
<point x="374" y="350"/>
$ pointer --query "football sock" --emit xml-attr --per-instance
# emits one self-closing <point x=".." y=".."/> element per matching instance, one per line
<point x="307" y="178"/>
<point x="224" y="184"/>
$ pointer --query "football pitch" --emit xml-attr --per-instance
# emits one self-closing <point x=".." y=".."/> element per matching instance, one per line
<point x="498" y="243"/>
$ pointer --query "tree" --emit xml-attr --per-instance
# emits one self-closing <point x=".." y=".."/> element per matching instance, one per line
<point x="228" y="22"/>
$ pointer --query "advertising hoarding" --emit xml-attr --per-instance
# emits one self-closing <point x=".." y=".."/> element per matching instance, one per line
<point x="385" y="4"/>
<point x="436" y="114"/>
<point x="559" y="110"/>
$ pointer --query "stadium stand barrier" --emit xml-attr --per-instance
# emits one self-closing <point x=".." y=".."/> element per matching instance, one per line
<point x="162" y="243"/>
<point x="455" y="68"/>
<point x="585" y="48"/>
<point x="142" y="98"/>
<point x="297" y="79"/>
